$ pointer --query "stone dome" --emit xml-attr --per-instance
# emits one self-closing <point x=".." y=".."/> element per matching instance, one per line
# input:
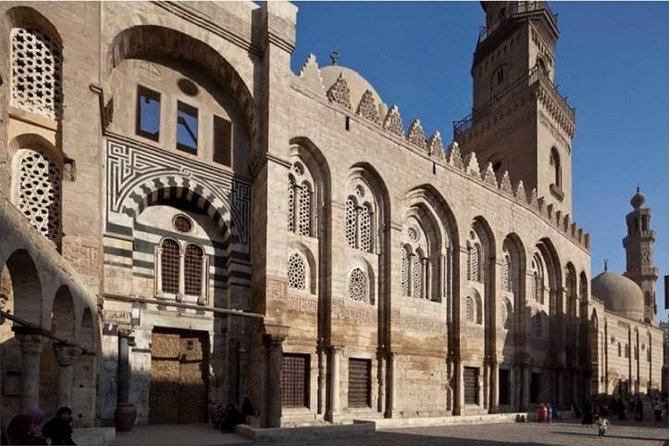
<point x="620" y="294"/>
<point x="356" y="83"/>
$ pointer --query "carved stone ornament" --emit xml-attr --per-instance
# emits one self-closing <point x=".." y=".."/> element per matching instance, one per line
<point x="435" y="146"/>
<point x="489" y="175"/>
<point x="31" y="344"/>
<point x="416" y="135"/>
<point x="472" y="164"/>
<point x="393" y="121"/>
<point x="505" y="185"/>
<point x="310" y="75"/>
<point x="367" y="107"/>
<point x="339" y="92"/>
<point x="520" y="192"/>
<point x="66" y="354"/>
<point x="533" y="200"/>
<point x="455" y="156"/>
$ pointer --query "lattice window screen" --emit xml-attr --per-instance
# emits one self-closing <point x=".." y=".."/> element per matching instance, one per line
<point x="169" y="266"/>
<point x="39" y="191"/>
<point x="295" y="380"/>
<point x="506" y="266"/>
<point x="365" y="228"/>
<point x="305" y="210"/>
<point x="470" y="310"/>
<point x="358" y="288"/>
<point x="359" y="382"/>
<point x="416" y="276"/>
<point x="291" y="205"/>
<point x="351" y="222"/>
<point x="36" y="72"/>
<point x="476" y="263"/>
<point x="404" y="270"/>
<point x="296" y="272"/>
<point x="193" y="262"/>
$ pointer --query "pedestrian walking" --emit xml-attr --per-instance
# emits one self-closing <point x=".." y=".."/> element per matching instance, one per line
<point x="602" y="425"/>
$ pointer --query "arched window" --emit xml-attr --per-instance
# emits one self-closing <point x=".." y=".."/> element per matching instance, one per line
<point x="36" y="72"/>
<point x="417" y="276"/>
<point x="305" y="210"/>
<point x="38" y="190"/>
<point x="193" y="263"/>
<point x="170" y="265"/>
<point x="538" y="275"/>
<point x="557" y="168"/>
<point x="358" y="286"/>
<point x="506" y="272"/>
<point x="297" y="272"/>
<point x="620" y="351"/>
<point x="470" y="310"/>
<point x="475" y="263"/>
<point x="351" y="222"/>
<point x="404" y="270"/>
<point x="365" y="219"/>
<point x="291" y="204"/>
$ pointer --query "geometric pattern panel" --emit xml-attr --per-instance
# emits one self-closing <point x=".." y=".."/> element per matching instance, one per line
<point x="357" y="286"/>
<point x="36" y="76"/>
<point x="137" y="175"/>
<point x="38" y="191"/>
<point x="297" y="272"/>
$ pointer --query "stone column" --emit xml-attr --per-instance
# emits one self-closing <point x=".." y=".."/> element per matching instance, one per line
<point x="274" y="344"/>
<point x="494" y="386"/>
<point x="381" y="377"/>
<point x="525" y="390"/>
<point x="390" y="386"/>
<point x="65" y="356"/>
<point x="334" y="407"/>
<point x="31" y="348"/>
<point x="322" y="385"/>
<point x="459" y="388"/>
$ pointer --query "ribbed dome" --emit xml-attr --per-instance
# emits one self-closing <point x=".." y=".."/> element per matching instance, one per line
<point x="620" y="294"/>
<point x="356" y="83"/>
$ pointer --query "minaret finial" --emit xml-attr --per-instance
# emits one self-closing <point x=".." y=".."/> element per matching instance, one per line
<point x="606" y="265"/>
<point x="637" y="188"/>
<point x="334" y="57"/>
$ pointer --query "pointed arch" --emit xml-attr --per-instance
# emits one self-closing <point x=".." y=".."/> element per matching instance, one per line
<point x="62" y="314"/>
<point x="26" y="286"/>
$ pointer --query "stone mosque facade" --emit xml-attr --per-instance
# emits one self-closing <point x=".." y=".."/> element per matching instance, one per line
<point x="187" y="222"/>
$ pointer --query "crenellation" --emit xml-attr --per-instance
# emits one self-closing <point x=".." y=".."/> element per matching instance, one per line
<point x="340" y="93"/>
<point x="393" y="121"/>
<point x="435" y="146"/>
<point x="489" y="176"/>
<point x="472" y="165"/>
<point x="521" y="194"/>
<point x="310" y="75"/>
<point x="367" y="108"/>
<point x="454" y="156"/>
<point x="505" y="184"/>
<point x="416" y="135"/>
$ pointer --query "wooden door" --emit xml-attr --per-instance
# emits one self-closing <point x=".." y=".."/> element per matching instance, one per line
<point x="178" y="377"/>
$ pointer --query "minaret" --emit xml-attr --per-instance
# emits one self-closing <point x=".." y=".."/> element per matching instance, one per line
<point x="519" y="120"/>
<point x="639" y="247"/>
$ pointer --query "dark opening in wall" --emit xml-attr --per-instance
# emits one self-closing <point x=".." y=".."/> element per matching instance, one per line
<point x="222" y="141"/>
<point x="186" y="128"/>
<point x="347" y="123"/>
<point x="148" y="113"/>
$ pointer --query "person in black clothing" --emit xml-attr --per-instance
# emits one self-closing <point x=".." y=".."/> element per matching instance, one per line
<point x="587" y="415"/>
<point x="247" y="410"/>
<point x="230" y="418"/>
<point x="59" y="428"/>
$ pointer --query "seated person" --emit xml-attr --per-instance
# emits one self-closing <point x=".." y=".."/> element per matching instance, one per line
<point x="59" y="428"/>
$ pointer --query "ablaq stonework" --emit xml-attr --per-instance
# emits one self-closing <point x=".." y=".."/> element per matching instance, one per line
<point x="186" y="222"/>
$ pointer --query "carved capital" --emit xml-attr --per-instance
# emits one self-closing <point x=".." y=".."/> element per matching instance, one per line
<point x="31" y="344"/>
<point x="66" y="354"/>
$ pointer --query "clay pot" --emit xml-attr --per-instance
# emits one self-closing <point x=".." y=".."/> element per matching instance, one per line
<point x="124" y="417"/>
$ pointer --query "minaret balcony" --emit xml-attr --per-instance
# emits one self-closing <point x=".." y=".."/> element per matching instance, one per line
<point x="535" y="81"/>
<point x="518" y="10"/>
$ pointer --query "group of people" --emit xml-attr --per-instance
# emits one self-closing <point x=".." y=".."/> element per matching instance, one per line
<point x="546" y="413"/>
<point x="227" y="417"/>
<point x="25" y="428"/>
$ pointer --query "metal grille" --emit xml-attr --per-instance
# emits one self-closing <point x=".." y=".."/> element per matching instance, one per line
<point x="359" y="383"/>
<point x="193" y="270"/>
<point x="404" y="271"/>
<point x="471" y="378"/>
<point x="296" y="272"/>
<point x="351" y="222"/>
<point x="470" y="310"/>
<point x="291" y="205"/>
<point x="305" y="210"/>
<point x="295" y="380"/>
<point x="182" y="223"/>
<point x="169" y="266"/>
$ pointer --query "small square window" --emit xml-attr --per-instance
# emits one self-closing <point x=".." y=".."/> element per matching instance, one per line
<point x="148" y="113"/>
<point x="186" y="128"/>
<point x="222" y="141"/>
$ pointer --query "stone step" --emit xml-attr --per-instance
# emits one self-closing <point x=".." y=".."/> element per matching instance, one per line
<point x="94" y="436"/>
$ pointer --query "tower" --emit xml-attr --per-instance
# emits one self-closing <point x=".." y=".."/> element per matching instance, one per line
<point x="519" y="120"/>
<point x="639" y="249"/>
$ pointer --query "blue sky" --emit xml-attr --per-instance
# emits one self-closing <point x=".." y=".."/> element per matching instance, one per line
<point x="612" y="63"/>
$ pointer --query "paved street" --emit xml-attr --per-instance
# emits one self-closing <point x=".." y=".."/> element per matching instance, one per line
<point x="628" y="434"/>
